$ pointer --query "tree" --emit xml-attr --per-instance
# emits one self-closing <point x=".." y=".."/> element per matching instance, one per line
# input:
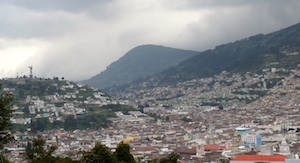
<point x="123" y="155"/>
<point x="26" y="110"/>
<point x="167" y="118"/>
<point x="65" y="160"/>
<point x="40" y="124"/>
<point x="156" y="160"/>
<point x="171" y="158"/>
<point x="36" y="152"/>
<point x="3" y="159"/>
<point x="6" y="101"/>
<point x="99" y="154"/>
<point x="221" y="107"/>
<point x="70" y="123"/>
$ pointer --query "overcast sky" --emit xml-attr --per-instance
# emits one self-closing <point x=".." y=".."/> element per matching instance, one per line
<point x="77" y="39"/>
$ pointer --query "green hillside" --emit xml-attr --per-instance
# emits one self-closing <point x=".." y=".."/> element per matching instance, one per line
<point x="44" y="104"/>
<point x="138" y="63"/>
<point x="278" y="49"/>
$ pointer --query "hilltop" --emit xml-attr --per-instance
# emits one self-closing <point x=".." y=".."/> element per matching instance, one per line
<point x="138" y="63"/>
<point x="43" y="104"/>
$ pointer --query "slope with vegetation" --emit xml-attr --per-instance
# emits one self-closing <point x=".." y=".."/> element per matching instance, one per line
<point x="138" y="63"/>
<point x="45" y="104"/>
<point x="6" y="101"/>
<point x="253" y="54"/>
<point x="37" y="153"/>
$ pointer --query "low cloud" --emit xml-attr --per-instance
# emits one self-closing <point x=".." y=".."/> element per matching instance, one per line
<point x="77" y="39"/>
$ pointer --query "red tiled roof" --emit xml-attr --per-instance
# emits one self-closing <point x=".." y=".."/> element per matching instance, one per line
<point x="213" y="147"/>
<point x="260" y="158"/>
<point x="145" y="149"/>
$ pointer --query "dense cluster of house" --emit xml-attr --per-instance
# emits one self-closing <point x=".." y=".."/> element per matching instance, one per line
<point x="56" y="106"/>
<point x="244" y="127"/>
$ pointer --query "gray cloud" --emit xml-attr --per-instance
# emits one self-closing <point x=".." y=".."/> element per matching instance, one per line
<point x="238" y="21"/>
<point x="34" y="26"/>
<point x="50" y="5"/>
<point x="77" y="39"/>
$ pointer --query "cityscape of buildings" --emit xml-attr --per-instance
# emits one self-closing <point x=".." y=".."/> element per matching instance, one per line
<point x="223" y="118"/>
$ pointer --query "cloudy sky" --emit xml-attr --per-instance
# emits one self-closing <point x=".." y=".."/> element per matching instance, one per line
<point x="77" y="39"/>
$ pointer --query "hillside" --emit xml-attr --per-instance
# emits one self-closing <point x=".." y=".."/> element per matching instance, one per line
<point x="261" y="71"/>
<point x="43" y="104"/>
<point x="140" y="62"/>
<point x="278" y="49"/>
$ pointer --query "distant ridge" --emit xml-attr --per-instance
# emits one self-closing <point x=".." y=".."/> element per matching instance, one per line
<point x="247" y="55"/>
<point x="138" y="63"/>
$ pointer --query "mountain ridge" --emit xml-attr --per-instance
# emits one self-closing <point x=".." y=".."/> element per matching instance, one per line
<point x="279" y="49"/>
<point x="251" y="54"/>
<point x="138" y="63"/>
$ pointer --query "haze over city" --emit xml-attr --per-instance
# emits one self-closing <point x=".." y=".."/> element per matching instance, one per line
<point x="77" y="39"/>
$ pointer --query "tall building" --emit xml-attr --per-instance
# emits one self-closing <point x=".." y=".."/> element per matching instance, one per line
<point x="251" y="139"/>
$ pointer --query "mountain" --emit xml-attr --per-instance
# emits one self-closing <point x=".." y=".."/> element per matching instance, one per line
<point x="261" y="72"/>
<point x="138" y="63"/>
<point x="253" y="54"/>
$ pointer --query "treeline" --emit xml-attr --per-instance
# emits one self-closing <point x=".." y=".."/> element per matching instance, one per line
<point x="97" y="118"/>
<point x="36" y="152"/>
<point x="118" y="107"/>
<point x="91" y="121"/>
<point x="34" y="88"/>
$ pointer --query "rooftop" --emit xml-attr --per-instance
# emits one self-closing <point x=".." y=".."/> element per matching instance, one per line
<point x="260" y="158"/>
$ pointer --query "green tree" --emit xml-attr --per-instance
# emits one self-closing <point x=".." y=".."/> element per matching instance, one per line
<point x="171" y="158"/>
<point x="37" y="153"/>
<point x="123" y="155"/>
<point x="99" y="154"/>
<point x="33" y="126"/>
<point x="40" y="124"/>
<point x="6" y="101"/>
<point x="70" y="123"/>
<point x="186" y="119"/>
<point x="26" y="110"/>
<point x="167" y="118"/>
<point x="3" y="159"/>
<point x="65" y="160"/>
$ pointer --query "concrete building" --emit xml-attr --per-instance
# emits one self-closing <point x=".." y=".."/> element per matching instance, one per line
<point x="251" y="139"/>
